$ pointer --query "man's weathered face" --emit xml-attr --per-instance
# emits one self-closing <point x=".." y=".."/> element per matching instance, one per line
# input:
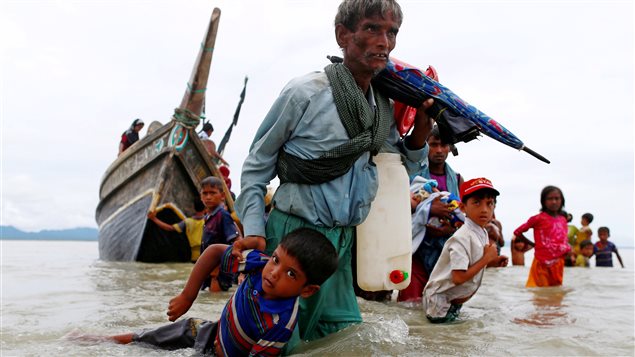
<point x="438" y="151"/>
<point x="366" y="49"/>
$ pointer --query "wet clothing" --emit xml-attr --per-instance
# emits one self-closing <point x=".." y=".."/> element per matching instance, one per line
<point x="550" y="236"/>
<point x="426" y="249"/>
<point x="219" y="228"/>
<point x="584" y="233"/>
<point x="189" y="333"/>
<point x="453" y="314"/>
<point x="542" y="274"/>
<point x="193" y="228"/>
<point x="418" y="280"/>
<point x="460" y="252"/>
<point x="334" y="306"/>
<point x="249" y="324"/>
<point x="571" y="234"/>
<point x="304" y="122"/>
<point x="581" y="261"/>
<point x="604" y="254"/>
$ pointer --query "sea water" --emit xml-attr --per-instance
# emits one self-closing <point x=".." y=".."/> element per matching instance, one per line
<point x="53" y="289"/>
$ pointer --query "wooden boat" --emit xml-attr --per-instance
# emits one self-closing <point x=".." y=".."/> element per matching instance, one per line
<point x="163" y="168"/>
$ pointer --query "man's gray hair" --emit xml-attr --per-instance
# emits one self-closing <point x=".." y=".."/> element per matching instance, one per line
<point x="351" y="12"/>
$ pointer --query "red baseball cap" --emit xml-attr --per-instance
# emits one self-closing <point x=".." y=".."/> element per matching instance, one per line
<point x="473" y="185"/>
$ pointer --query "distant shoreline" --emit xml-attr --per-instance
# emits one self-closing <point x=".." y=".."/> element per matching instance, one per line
<point x="90" y="239"/>
<point x="72" y="234"/>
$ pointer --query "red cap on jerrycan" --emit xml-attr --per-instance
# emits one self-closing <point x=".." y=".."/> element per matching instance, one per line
<point x="398" y="276"/>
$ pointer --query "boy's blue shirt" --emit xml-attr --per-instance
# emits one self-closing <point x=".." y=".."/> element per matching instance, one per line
<point x="218" y="229"/>
<point x="249" y="323"/>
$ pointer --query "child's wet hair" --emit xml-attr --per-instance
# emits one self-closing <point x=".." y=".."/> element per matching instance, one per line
<point x="213" y="182"/>
<point x="543" y="198"/>
<point x="588" y="217"/>
<point x="313" y="251"/>
<point x="604" y="229"/>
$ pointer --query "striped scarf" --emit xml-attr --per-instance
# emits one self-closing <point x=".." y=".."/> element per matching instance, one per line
<point x="367" y="129"/>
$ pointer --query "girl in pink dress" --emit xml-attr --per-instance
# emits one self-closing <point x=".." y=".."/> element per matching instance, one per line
<point x="550" y="236"/>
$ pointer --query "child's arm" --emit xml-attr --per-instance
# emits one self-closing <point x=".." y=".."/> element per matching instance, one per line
<point x="461" y="276"/>
<point x="204" y="266"/>
<point x="518" y="232"/>
<point x="529" y="244"/>
<point x="500" y="261"/>
<point x="619" y="258"/>
<point x="249" y="242"/>
<point x="152" y="215"/>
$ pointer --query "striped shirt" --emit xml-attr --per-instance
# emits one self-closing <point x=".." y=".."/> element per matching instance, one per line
<point x="251" y="325"/>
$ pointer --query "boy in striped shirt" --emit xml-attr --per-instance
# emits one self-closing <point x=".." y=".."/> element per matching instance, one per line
<point x="260" y="316"/>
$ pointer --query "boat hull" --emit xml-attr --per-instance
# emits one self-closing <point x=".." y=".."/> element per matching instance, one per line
<point x="165" y="167"/>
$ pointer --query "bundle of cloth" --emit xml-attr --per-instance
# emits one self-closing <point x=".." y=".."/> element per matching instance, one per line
<point x="424" y="191"/>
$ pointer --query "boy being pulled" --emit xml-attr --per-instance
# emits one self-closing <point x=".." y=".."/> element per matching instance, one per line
<point x="458" y="273"/>
<point x="260" y="316"/>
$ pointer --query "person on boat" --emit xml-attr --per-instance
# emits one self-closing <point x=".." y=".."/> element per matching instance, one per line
<point x="131" y="135"/>
<point x="258" y="319"/>
<point x="205" y="135"/>
<point x="319" y="138"/>
<point x="192" y="226"/>
<point x="206" y="131"/>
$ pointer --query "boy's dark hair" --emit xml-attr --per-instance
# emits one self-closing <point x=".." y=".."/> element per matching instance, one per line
<point x="198" y="205"/>
<point x="604" y="229"/>
<point x="316" y="255"/>
<point x="208" y="126"/>
<point x="588" y="217"/>
<point x="543" y="198"/>
<point x="213" y="182"/>
<point x="569" y="216"/>
<point x="481" y="194"/>
<point x="585" y="243"/>
<point x="351" y="12"/>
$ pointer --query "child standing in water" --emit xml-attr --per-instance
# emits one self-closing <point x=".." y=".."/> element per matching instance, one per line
<point x="458" y="273"/>
<point x="584" y="233"/>
<point x="604" y="250"/>
<point x="550" y="238"/>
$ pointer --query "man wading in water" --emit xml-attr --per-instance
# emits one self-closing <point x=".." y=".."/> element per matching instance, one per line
<point x="319" y="138"/>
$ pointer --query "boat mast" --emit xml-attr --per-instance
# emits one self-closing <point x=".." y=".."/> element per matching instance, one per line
<point x="194" y="97"/>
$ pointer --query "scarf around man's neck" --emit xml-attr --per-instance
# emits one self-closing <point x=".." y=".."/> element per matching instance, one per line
<point x="367" y="130"/>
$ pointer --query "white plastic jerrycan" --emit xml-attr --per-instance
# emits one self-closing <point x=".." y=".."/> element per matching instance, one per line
<point x="384" y="239"/>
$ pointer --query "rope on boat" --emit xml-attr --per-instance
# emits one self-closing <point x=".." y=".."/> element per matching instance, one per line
<point x="186" y="117"/>
<point x="206" y="49"/>
<point x="192" y="90"/>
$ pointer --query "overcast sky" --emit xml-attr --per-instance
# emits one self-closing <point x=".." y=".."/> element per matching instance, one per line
<point x="558" y="74"/>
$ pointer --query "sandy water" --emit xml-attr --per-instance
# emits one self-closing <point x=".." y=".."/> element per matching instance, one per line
<point x="53" y="288"/>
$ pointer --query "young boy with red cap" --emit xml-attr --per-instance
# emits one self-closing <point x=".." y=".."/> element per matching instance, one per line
<point x="458" y="273"/>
